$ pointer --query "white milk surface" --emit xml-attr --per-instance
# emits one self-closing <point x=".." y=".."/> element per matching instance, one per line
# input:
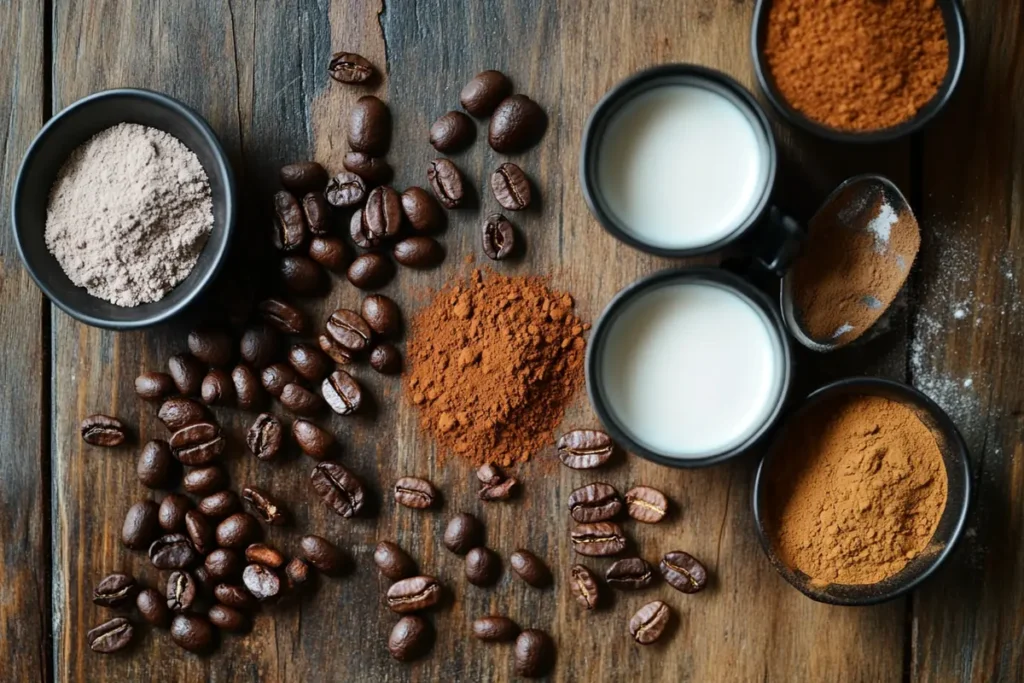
<point x="681" y="166"/>
<point x="691" y="369"/>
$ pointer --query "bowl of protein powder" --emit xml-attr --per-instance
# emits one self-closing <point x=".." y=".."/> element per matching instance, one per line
<point x="123" y="208"/>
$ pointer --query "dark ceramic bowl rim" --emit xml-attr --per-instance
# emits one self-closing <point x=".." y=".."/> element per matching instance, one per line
<point x="610" y="103"/>
<point x="956" y="26"/>
<point x="222" y="168"/>
<point x="716" y="276"/>
<point x="942" y="421"/>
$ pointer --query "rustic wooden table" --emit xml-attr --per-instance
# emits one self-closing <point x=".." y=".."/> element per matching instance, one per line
<point x="256" y="70"/>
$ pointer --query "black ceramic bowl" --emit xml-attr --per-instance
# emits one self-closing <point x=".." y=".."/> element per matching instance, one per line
<point x="956" y="35"/>
<point x="48" y="152"/>
<point x="951" y="524"/>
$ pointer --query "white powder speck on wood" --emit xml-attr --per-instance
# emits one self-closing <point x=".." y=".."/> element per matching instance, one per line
<point x="129" y="214"/>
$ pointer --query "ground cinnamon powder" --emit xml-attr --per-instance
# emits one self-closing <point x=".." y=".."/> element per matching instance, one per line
<point x="858" y="492"/>
<point x="857" y="64"/>
<point x="493" y="364"/>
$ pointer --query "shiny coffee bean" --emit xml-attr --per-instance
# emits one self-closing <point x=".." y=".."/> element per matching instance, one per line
<point x="382" y="214"/>
<point x="422" y="211"/>
<point x="330" y="252"/>
<point x="276" y="376"/>
<point x="303" y="176"/>
<point x="228" y="619"/>
<point x="370" y="271"/>
<point x="204" y="481"/>
<point x="386" y="359"/>
<point x="452" y="132"/>
<point x="261" y="553"/>
<point x="416" y="493"/>
<point x="482" y="94"/>
<point x="373" y="170"/>
<point x="600" y="539"/>
<point x="288" y="228"/>
<point x="309" y="362"/>
<point x="211" y="346"/>
<point x="333" y="350"/>
<point x="157" y="468"/>
<point x="350" y="330"/>
<point x="262" y="582"/>
<point x="234" y="596"/>
<point x="382" y="315"/>
<point x="181" y="591"/>
<point x="197" y="444"/>
<point x="223" y="564"/>
<point x="238" y="531"/>
<point x="302" y="275"/>
<point x="300" y="400"/>
<point x="153" y="608"/>
<point x="141" y="525"/>
<point x="530" y="568"/>
<point x="265" y="436"/>
<point x="411" y="638"/>
<point x="495" y="629"/>
<point x="369" y="126"/>
<point x="345" y="190"/>
<point x="360" y="232"/>
<point x="490" y="475"/>
<point x="178" y="412"/>
<point x="219" y="505"/>
<point x="154" y="386"/>
<point x="463" y="533"/>
<point x="259" y="345"/>
<point x="283" y="316"/>
<point x="517" y="124"/>
<point x="596" y="502"/>
<point x="350" y="68"/>
<point x="342" y="393"/>
<point x="498" y="237"/>
<point x="315" y="442"/>
<point x="172" y="551"/>
<point x="511" y="187"/>
<point x="297" y="573"/>
<point x="630" y="573"/>
<point x="187" y="372"/>
<point x="584" y="586"/>
<point x="413" y="594"/>
<point x="171" y="514"/>
<point x="534" y="653"/>
<point x="265" y="506"/>
<point x="204" y="584"/>
<point x="322" y="554"/>
<point x="650" y="622"/>
<point x="446" y="181"/>
<point x="110" y="636"/>
<point x="217" y="388"/>
<point x="317" y="212"/>
<point x="393" y="562"/>
<point x="114" y="590"/>
<point x="247" y="388"/>
<point x="503" y="490"/>
<point x="645" y="504"/>
<point x="683" y="572"/>
<point x="103" y="430"/>
<point x="339" y="488"/>
<point x="418" y="252"/>
<point x="200" y="531"/>
<point x="193" y="633"/>
<point x="584" y="449"/>
<point x="483" y="567"/>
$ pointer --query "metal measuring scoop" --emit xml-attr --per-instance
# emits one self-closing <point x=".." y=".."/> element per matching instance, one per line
<point x="852" y="197"/>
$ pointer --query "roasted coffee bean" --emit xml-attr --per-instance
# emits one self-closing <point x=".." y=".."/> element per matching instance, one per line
<point x="350" y="68"/>
<point x="373" y="170"/>
<point x="534" y="653"/>
<point x="197" y="444"/>
<point x="204" y="481"/>
<point x="283" y="316"/>
<point x="452" y="132"/>
<point x="584" y="586"/>
<point x="187" y="373"/>
<point x="300" y="400"/>
<point x="342" y="393"/>
<point x="297" y="573"/>
<point x="490" y="475"/>
<point x="382" y="315"/>
<point x="498" y="237"/>
<point x="369" y="126"/>
<point x="233" y="596"/>
<point x="382" y="215"/>
<point x="482" y="94"/>
<point x="172" y="511"/>
<point x="345" y="190"/>
<point x="276" y="376"/>
<point x="360" y="233"/>
<point x="335" y="351"/>
<point x="393" y="562"/>
<point x="154" y="386"/>
<point x="446" y="181"/>
<point x="370" y="271"/>
<point x="193" y="633"/>
<point x="218" y="388"/>
<point x="317" y="212"/>
<point x="596" y="502"/>
<point x="315" y="442"/>
<point x="102" y="430"/>
<point x="416" y="493"/>
<point x="228" y="619"/>
<point x="584" y="449"/>
<point x="483" y="567"/>
<point x="219" y="505"/>
<point x="181" y="591"/>
<point x="303" y="176"/>
<point x="500" y="491"/>
<point x="330" y="252"/>
<point x="511" y="187"/>
<point x="349" y="329"/>
<point x="645" y="504"/>
<point x="141" y="525"/>
<point x="265" y="506"/>
<point x="495" y="629"/>
<point x="630" y="573"/>
<point x="173" y="551"/>
<point x="177" y="413"/>
<point x="422" y="210"/>
<point x="157" y="468"/>
<point x="259" y="345"/>
<point x="223" y="564"/>
<point x="238" y="531"/>
<point x="261" y="581"/>
<point x="211" y="346"/>
<point x="411" y="638"/>
<point x="413" y="594"/>
<point x="152" y="607"/>
<point x="247" y="388"/>
<point x="111" y="636"/>
<point x="683" y="572"/>
<point x="463" y="533"/>
<point x="418" y="252"/>
<point x="309" y="362"/>
<point x="517" y="124"/>
<point x="114" y="590"/>
<point x="302" y="275"/>
<point x="322" y="554"/>
<point x="599" y="539"/>
<point x="530" y="568"/>
<point x="340" y="489"/>
<point x="200" y="531"/>
<point x="289" y="225"/>
<point x="265" y="436"/>
<point x="204" y="584"/>
<point x="261" y="553"/>
<point x="650" y="622"/>
<point x="386" y="359"/>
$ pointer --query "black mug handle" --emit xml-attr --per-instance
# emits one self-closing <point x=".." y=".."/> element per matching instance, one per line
<point x="777" y="241"/>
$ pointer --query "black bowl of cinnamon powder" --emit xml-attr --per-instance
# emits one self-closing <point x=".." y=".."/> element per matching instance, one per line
<point x="863" y="493"/>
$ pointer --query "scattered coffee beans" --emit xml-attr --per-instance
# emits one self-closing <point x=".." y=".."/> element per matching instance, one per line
<point x="177" y="413"/>
<point x="584" y="586"/>
<point x="370" y="271"/>
<point x="102" y="430"/>
<point x="309" y="362"/>
<point x="223" y="564"/>
<point x="114" y="590"/>
<point x="482" y="94"/>
<point x="495" y="629"/>
<point x="369" y="126"/>
<point x="340" y="489"/>
<point x="219" y="505"/>
<point x="171" y="514"/>
<point x="345" y="190"/>
<point x="276" y="376"/>
<point x="228" y="619"/>
<point x="303" y="176"/>
<point x="410" y="638"/>
<point x="503" y="490"/>
<point x="204" y="481"/>
<point x="683" y="572"/>
<point x="530" y="568"/>
<point x="419" y="251"/>
<point x="483" y="567"/>
<point x="350" y="68"/>
<point x="247" y="388"/>
<point x="349" y="329"/>
<point x="498" y="237"/>
<point x="517" y="124"/>
<point x="197" y="444"/>
<point x="141" y="525"/>
<point x="317" y="214"/>
<point x="259" y="345"/>
<point x="173" y="551"/>
<point x="373" y="170"/>
<point x="153" y="608"/>
<point x="330" y="252"/>
<point x="416" y="493"/>
<point x="413" y="594"/>
<point x="193" y="633"/>
<point x="422" y="210"/>
<point x="446" y="181"/>
<point x="322" y="554"/>
<point x="300" y="400"/>
<point x="585" y="449"/>
<point x="511" y="187"/>
<point x="261" y="581"/>
<point x="187" y="373"/>
<point x="302" y="275"/>
<point x="315" y="442"/>
<point x="629" y="574"/>
<point x="596" y="502"/>
<point x="386" y="359"/>
<point x="600" y="539"/>
<point x="233" y="596"/>
<point x="393" y="562"/>
<point x="463" y="533"/>
<point x="281" y="315"/>
<point x="238" y="531"/>
<point x="342" y="393"/>
<point x="110" y="636"/>
<point x="296" y="574"/>
<point x="200" y="531"/>
<point x="265" y="506"/>
<point x="181" y="591"/>
<point x="217" y="388"/>
<point x="157" y="468"/>
<point x="645" y="504"/>
<point x="452" y="132"/>
<point x="261" y="553"/>
<point x="154" y="386"/>
<point x="382" y="315"/>
<point x="650" y="622"/>
<point x="289" y="224"/>
<point x="211" y="346"/>
<point x="265" y="436"/>
<point x="490" y="475"/>
<point x="534" y="653"/>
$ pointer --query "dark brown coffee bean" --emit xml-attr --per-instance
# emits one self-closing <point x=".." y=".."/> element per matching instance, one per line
<point x="288" y="228"/>
<point x="530" y="568"/>
<point x="172" y="511"/>
<point x="416" y="493"/>
<point x="360" y="232"/>
<point x="413" y="594"/>
<point x="303" y="176"/>
<point x="211" y="346"/>
<point x="265" y="506"/>
<point x="630" y="573"/>
<point x="102" y="430"/>
<point x="238" y="531"/>
<point x="181" y="591"/>
<point x="350" y="68"/>
<point x="193" y="633"/>
<point x="683" y="572"/>
<point x="154" y="386"/>
<point x="452" y="132"/>
<point x="650" y="622"/>
<point x="370" y="271"/>
<point x="418" y="252"/>
<point x="276" y="376"/>
<point x="111" y="636"/>
<point x="265" y="436"/>
<point x="382" y="215"/>
<point x="157" y="468"/>
<point x="228" y="619"/>
<point x="200" y="531"/>
<point x="315" y="442"/>
<point x="584" y="586"/>
<point x="340" y="489"/>
<point x="342" y="393"/>
<point x="262" y="582"/>
<point x="233" y="596"/>
<point x="645" y="504"/>
<point x="500" y="491"/>
<point x="297" y="573"/>
<point x="259" y="345"/>
<point x="141" y="525"/>
<point x="345" y="190"/>
<point x="369" y="126"/>
<point x="187" y="373"/>
<point x="498" y="237"/>
<point x="177" y="413"/>
<point x="322" y="554"/>
<point x="261" y="553"/>
<point x="330" y="252"/>
<point x="382" y="315"/>
<point x="584" y="449"/>
<point x="446" y="181"/>
<point x="114" y="590"/>
<point x="317" y="212"/>
<point x="490" y="475"/>
<point x="482" y="94"/>
<point x="153" y="608"/>
<point x="223" y="564"/>
<point x="600" y="539"/>
<point x="511" y="187"/>
<point x="218" y="388"/>
<point x="283" y="316"/>
<point x="247" y="388"/>
<point x="422" y="210"/>
<point x="333" y="350"/>
<point x="373" y="170"/>
<point x="495" y="629"/>
<point x="386" y="359"/>
<point x="393" y="562"/>
<point x="300" y="400"/>
<point x="309" y="362"/>
<point x="517" y="124"/>
<point x="204" y="584"/>
<point x="483" y="567"/>
<point x="219" y="505"/>
<point x="463" y="533"/>
<point x="302" y="275"/>
<point x="534" y="653"/>
<point x="205" y="480"/>
<point x="411" y="638"/>
<point x="197" y="444"/>
<point x="596" y="502"/>
<point x="172" y="551"/>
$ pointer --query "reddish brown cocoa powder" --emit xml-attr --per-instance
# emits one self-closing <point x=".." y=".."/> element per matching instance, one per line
<point x="493" y="364"/>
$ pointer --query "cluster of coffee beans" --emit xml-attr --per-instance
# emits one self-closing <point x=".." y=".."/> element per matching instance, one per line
<point x="594" y="507"/>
